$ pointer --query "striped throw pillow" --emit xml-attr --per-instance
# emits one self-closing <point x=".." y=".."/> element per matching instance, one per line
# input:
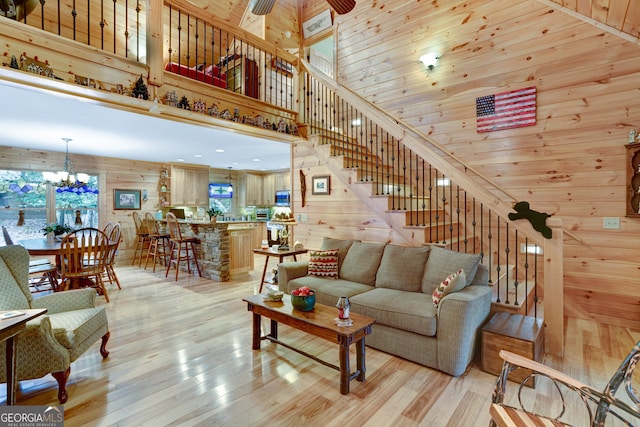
<point x="324" y="263"/>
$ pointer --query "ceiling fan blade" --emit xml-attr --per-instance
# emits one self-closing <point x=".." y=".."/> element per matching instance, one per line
<point x="261" y="7"/>
<point x="342" y="6"/>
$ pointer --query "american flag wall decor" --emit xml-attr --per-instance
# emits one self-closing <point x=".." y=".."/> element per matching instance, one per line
<point x="506" y="110"/>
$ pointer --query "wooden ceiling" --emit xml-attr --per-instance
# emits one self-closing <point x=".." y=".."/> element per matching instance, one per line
<point x="620" y="15"/>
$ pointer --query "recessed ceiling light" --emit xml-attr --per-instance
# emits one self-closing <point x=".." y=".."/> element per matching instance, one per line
<point x="219" y="150"/>
<point x="197" y="155"/>
<point x="179" y="160"/>
<point x="256" y="160"/>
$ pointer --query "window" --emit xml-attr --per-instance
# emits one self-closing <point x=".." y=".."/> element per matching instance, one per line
<point x="26" y="194"/>
<point x="221" y="197"/>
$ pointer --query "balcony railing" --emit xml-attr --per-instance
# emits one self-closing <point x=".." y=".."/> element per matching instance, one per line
<point x="116" y="26"/>
<point x="210" y="54"/>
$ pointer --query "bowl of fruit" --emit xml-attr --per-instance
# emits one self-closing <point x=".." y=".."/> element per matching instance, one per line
<point x="303" y="298"/>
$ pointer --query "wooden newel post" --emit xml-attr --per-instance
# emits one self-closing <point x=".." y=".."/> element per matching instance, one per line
<point x="554" y="289"/>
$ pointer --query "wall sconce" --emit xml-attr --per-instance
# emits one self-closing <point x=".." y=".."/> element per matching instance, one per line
<point x="429" y="60"/>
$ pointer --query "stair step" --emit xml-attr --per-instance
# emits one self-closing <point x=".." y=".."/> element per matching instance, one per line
<point x="510" y="295"/>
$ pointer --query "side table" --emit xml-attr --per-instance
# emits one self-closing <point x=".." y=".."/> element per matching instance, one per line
<point x="522" y="335"/>
<point x="280" y="254"/>
<point x="9" y="328"/>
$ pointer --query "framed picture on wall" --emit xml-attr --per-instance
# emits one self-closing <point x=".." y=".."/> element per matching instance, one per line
<point x="321" y="185"/>
<point x="126" y="199"/>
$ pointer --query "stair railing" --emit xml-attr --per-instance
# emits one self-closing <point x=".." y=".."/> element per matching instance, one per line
<point x="436" y="192"/>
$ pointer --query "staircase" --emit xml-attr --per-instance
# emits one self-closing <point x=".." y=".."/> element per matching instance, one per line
<point x="415" y="215"/>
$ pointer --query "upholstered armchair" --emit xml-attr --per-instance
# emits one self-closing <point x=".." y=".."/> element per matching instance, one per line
<point x="51" y="342"/>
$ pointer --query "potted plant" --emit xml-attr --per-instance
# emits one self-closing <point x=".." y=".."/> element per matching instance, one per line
<point x="213" y="213"/>
<point x="56" y="229"/>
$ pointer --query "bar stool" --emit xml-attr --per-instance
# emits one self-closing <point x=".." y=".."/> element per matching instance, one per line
<point x="157" y="242"/>
<point x="142" y="238"/>
<point x="182" y="248"/>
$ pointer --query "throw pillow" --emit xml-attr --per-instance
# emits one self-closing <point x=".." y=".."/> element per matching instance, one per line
<point x="402" y="267"/>
<point x="453" y="283"/>
<point x="442" y="262"/>
<point x="341" y="245"/>
<point x="323" y="264"/>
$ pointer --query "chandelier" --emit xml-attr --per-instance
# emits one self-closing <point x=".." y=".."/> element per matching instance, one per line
<point x="67" y="180"/>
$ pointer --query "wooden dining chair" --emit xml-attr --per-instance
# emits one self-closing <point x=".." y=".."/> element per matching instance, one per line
<point x="142" y="238"/>
<point x="158" y="242"/>
<point x="83" y="257"/>
<point x="115" y="237"/>
<point x="181" y="248"/>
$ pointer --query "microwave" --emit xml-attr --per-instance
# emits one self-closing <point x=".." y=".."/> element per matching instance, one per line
<point x="283" y="198"/>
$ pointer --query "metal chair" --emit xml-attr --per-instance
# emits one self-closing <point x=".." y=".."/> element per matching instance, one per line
<point x="142" y="238"/>
<point x="598" y="404"/>
<point x="157" y="242"/>
<point x="83" y="257"/>
<point x="181" y="248"/>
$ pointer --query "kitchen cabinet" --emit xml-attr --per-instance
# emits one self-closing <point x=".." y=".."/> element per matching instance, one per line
<point x="274" y="182"/>
<point x="189" y="185"/>
<point x="254" y="192"/>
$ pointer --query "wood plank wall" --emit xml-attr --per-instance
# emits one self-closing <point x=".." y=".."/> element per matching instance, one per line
<point x="571" y="164"/>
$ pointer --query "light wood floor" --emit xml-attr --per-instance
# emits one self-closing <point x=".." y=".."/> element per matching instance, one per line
<point x="181" y="355"/>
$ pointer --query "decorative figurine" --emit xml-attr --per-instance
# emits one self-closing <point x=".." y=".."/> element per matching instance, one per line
<point x="633" y="133"/>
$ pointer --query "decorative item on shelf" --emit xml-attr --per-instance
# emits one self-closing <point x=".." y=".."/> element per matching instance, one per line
<point x="213" y="110"/>
<point x="282" y="126"/>
<point x="266" y="124"/>
<point x="67" y="180"/>
<point x="293" y="129"/>
<point x="236" y="114"/>
<point x="14" y="63"/>
<point x="78" y="220"/>
<point x="171" y="99"/>
<point x="33" y="65"/>
<point x="85" y="81"/>
<point x="164" y="173"/>
<point x="163" y="188"/>
<point x="199" y="107"/>
<point x="184" y="103"/>
<point x="140" y="90"/>
<point x="633" y="136"/>
<point x="226" y="114"/>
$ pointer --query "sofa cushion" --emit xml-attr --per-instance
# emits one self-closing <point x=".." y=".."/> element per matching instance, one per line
<point x="443" y="262"/>
<point x="323" y="263"/>
<point x="452" y="283"/>
<point x="328" y="291"/>
<point x="341" y="245"/>
<point x="362" y="262"/>
<point x="402" y="268"/>
<point x="409" y="311"/>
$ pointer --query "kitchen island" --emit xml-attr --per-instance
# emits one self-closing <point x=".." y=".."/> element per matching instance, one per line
<point x="225" y="247"/>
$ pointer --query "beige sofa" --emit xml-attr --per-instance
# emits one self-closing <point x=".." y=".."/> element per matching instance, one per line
<point x="394" y="285"/>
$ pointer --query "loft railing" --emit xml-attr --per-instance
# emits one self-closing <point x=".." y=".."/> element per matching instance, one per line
<point x="201" y="50"/>
<point x="116" y="26"/>
<point x="212" y="54"/>
<point x="428" y="199"/>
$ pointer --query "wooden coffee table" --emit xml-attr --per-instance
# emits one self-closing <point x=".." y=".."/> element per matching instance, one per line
<point x="319" y="322"/>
